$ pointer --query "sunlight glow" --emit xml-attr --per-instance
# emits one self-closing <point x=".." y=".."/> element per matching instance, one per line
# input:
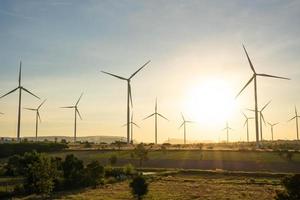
<point x="210" y="102"/>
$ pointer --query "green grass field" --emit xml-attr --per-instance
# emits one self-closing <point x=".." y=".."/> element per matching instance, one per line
<point x="252" y="156"/>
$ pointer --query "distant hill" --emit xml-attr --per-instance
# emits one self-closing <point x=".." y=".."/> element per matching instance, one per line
<point x="180" y="141"/>
<point x="95" y="139"/>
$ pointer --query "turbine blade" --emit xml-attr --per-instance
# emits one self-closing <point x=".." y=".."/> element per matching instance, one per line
<point x="271" y="76"/>
<point x="136" y="125"/>
<point x="124" y="125"/>
<point x="77" y="111"/>
<point x="296" y="111"/>
<point x="250" y="63"/>
<point x="29" y="92"/>
<point x="265" y="105"/>
<point x="20" y="73"/>
<point x="139" y="69"/>
<point x="181" y="125"/>
<point x="162" y="116"/>
<point x="41" y="104"/>
<point x="292" y="118"/>
<point x="114" y="75"/>
<point x="245" y="86"/>
<point x="263" y="118"/>
<point x="130" y="95"/>
<point x="245" y="122"/>
<point x="251" y="110"/>
<point x="79" y="99"/>
<point x="9" y="92"/>
<point x="182" y="117"/>
<point x="38" y="114"/>
<point x="244" y="115"/>
<point x="190" y="122"/>
<point x="149" y="116"/>
<point x="68" y="107"/>
<point x="30" y="109"/>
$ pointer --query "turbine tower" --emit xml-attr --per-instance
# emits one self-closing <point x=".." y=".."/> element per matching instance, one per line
<point x="247" y="124"/>
<point x="296" y="118"/>
<point x="227" y="128"/>
<point x="20" y="88"/>
<point x="132" y="123"/>
<point x="156" y="114"/>
<point x="37" y="118"/>
<point x="272" y="127"/>
<point x="76" y="112"/>
<point x="261" y="119"/>
<point x="254" y="79"/>
<point x="129" y="96"/>
<point x="184" y="126"/>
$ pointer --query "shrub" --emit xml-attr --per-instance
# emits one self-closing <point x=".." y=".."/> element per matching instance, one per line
<point x="72" y="171"/>
<point x="94" y="173"/>
<point x="292" y="188"/>
<point x="40" y="176"/>
<point x="139" y="187"/>
<point x="129" y="169"/>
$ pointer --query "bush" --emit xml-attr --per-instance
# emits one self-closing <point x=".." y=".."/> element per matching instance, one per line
<point x="94" y="174"/>
<point x="292" y="188"/>
<point x="129" y="169"/>
<point x="72" y="171"/>
<point x="139" y="187"/>
<point x="40" y="176"/>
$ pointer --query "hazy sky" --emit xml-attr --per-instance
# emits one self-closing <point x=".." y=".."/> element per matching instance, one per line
<point x="194" y="46"/>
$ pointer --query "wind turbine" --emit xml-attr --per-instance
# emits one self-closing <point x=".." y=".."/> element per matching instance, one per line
<point x="296" y="118"/>
<point x="132" y="123"/>
<point x="261" y="118"/>
<point x="272" y="126"/>
<point x="184" y="126"/>
<point x="247" y="124"/>
<point x="227" y="128"/>
<point x="156" y="114"/>
<point x="254" y="79"/>
<point x="37" y="117"/>
<point x="129" y="96"/>
<point x="20" y="88"/>
<point x="76" y="112"/>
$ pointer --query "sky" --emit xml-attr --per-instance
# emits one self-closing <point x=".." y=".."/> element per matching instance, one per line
<point x="197" y="65"/>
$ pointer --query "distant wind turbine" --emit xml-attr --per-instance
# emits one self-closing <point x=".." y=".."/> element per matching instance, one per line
<point x="37" y="118"/>
<point x="129" y="95"/>
<point x="76" y="112"/>
<point x="261" y="119"/>
<point x="254" y="79"/>
<point x="184" y="126"/>
<point x="155" y="114"/>
<point x="227" y="128"/>
<point x="132" y="123"/>
<point x="272" y="127"/>
<point x="247" y="124"/>
<point x="20" y="88"/>
<point x="296" y="118"/>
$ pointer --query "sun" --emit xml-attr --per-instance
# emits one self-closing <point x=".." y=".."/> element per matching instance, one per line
<point x="211" y="101"/>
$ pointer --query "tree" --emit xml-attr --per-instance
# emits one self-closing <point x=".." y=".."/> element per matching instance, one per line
<point x="72" y="170"/>
<point x="94" y="174"/>
<point x="139" y="187"/>
<point x="292" y="188"/>
<point x="141" y="153"/>
<point x="40" y="176"/>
